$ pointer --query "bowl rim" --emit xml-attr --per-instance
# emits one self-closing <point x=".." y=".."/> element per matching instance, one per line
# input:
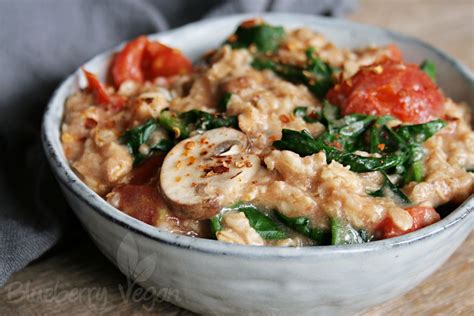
<point x="71" y="181"/>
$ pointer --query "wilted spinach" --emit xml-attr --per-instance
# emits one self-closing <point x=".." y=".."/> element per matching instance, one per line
<point x="316" y="75"/>
<point x="303" y="226"/>
<point x="262" y="223"/>
<point x="266" y="38"/>
<point x="429" y="68"/>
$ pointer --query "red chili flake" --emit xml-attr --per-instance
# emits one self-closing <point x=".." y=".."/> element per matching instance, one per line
<point x="284" y="118"/>
<point x="336" y="144"/>
<point x="90" y="123"/>
<point x="213" y="170"/>
<point x="313" y="115"/>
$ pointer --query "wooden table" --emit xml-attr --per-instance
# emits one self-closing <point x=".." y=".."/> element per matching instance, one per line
<point x="75" y="278"/>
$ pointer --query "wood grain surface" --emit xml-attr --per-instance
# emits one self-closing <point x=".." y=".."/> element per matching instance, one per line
<point x="75" y="278"/>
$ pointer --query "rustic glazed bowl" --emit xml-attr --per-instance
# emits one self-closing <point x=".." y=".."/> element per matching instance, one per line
<point x="206" y="276"/>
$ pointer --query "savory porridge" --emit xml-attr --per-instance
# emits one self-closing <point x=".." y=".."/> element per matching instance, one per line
<point x="275" y="138"/>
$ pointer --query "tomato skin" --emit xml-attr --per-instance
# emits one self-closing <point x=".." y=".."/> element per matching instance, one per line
<point x="100" y="93"/>
<point x="127" y="62"/>
<point x="422" y="216"/>
<point x="139" y="201"/>
<point x="394" y="53"/>
<point x="96" y="88"/>
<point x="390" y="88"/>
<point x="163" y="61"/>
<point x="142" y="60"/>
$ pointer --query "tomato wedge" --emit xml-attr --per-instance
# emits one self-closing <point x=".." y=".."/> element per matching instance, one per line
<point x="422" y="216"/>
<point x="100" y="93"/>
<point x="139" y="201"/>
<point x="127" y="63"/>
<point x="163" y="61"/>
<point x="390" y="88"/>
<point x="142" y="60"/>
<point x="96" y="88"/>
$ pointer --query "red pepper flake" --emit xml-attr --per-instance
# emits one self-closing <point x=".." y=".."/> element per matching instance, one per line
<point x="191" y="160"/>
<point x="381" y="147"/>
<point x="232" y="38"/>
<point x="284" y="118"/>
<point x="314" y="115"/>
<point x="336" y="144"/>
<point x="90" y="123"/>
<point x="148" y="100"/>
<point x="213" y="170"/>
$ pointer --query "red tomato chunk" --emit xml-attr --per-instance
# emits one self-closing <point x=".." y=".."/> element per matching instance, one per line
<point x="142" y="60"/>
<point x="422" y="216"/>
<point x="390" y="88"/>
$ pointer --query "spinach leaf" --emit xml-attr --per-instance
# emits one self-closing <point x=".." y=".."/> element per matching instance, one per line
<point x="330" y="112"/>
<point x="390" y="190"/>
<point x="182" y="124"/>
<point x="429" y="68"/>
<point x="378" y="143"/>
<point x="470" y="170"/>
<point x="302" y="111"/>
<point x="303" y="226"/>
<point x="346" y="131"/>
<point x="216" y="224"/>
<point x="262" y="223"/>
<point x="286" y="71"/>
<point x="140" y="135"/>
<point x="179" y="124"/>
<point x="412" y="137"/>
<point x="344" y="234"/>
<point x="173" y="123"/>
<point x="320" y="74"/>
<point x="365" y="235"/>
<point x="416" y="172"/>
<point x="266" y="38"/>
<point x="222" y="106"/>
<point x="304" y="144"/>
<point x="316" y="75"/>
<point x="419" y="133"/>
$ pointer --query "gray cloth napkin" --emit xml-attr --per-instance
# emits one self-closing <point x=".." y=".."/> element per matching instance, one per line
<point x="41" y="42"/>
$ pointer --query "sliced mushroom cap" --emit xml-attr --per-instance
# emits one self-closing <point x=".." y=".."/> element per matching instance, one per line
<point x="206" y="172"/>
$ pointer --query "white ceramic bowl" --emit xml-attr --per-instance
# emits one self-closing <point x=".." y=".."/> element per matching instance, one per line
<point x="211" y="277"/>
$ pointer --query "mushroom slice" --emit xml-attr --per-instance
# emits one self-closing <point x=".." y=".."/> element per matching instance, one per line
<point x="203" y="173"/>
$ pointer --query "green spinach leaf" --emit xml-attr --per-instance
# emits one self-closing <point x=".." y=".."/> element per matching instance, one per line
<point x="344" y="234"/>
<point x="316" y="75"/>
<point x="304" y="144"/>
<point x="303" y="226"/>
<point x="182" y="124"/>
<point x="222" y="106"/>
<point x="140" y="135"/>
<point x="390" y="190"/>
<point x="311" y="117"/>
<point x="266" y="38"/>
<point x="262" y="223"/>
<point x="429" y="68"/>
